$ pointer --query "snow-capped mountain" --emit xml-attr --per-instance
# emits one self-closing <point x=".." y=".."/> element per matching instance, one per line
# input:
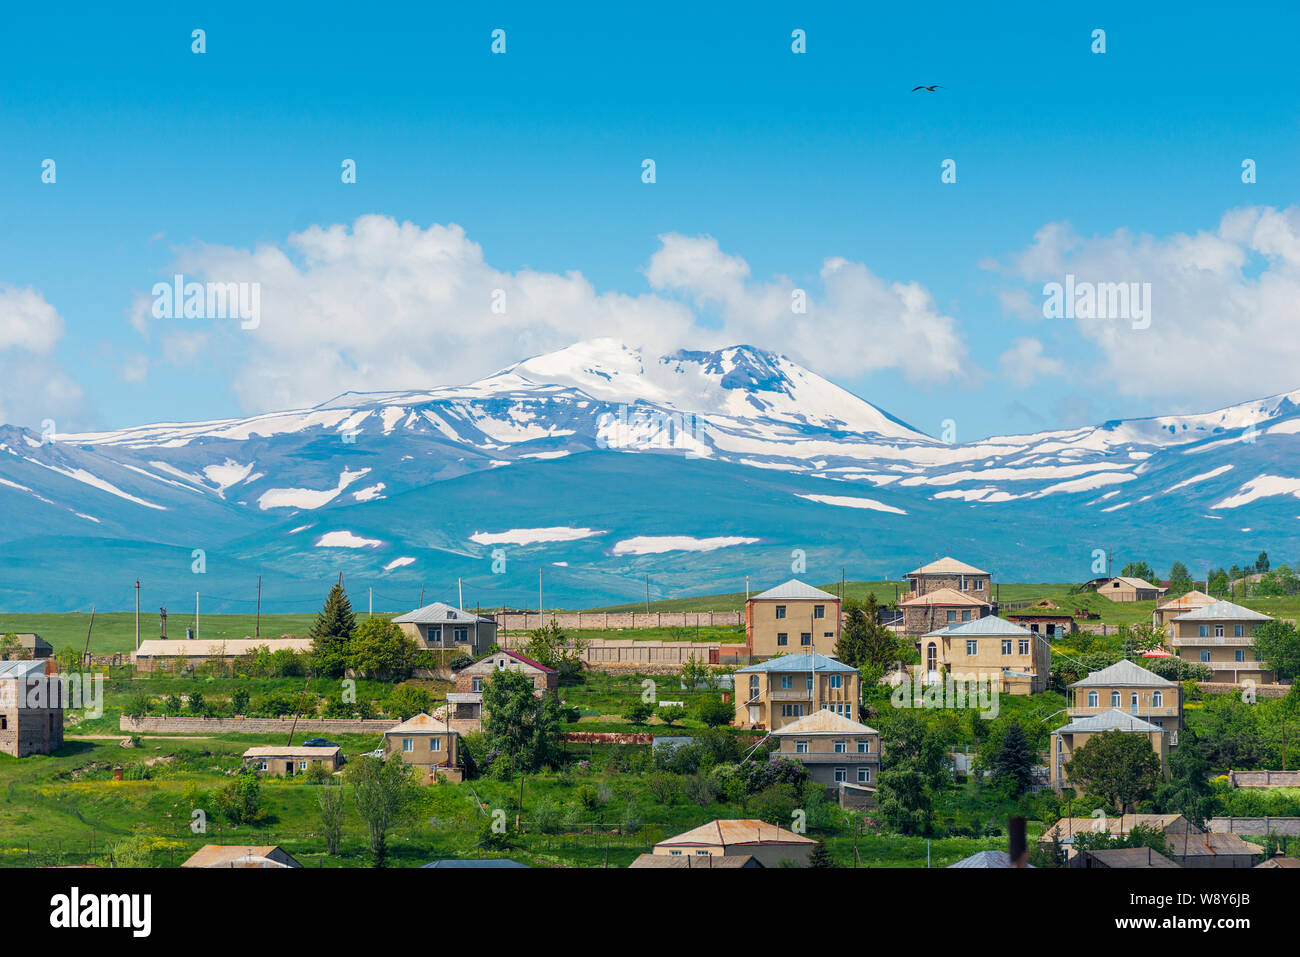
<point x="604" y="464"/>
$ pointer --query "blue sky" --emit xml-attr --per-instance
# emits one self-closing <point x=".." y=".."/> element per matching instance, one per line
<point x="166" y="158"/>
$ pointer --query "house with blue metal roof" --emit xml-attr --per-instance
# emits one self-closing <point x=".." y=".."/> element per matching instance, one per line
<point x="781" y="690"/>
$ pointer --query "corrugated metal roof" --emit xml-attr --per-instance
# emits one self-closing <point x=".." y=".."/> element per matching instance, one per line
<point x="948" y="566"/>
<point x="1112" y="719"/>
<point x="439" y="613"/>
<point x="823" y="722"/>
<point x="1222" y="611"/>
<point x="26" y="668"/>
<point x="1193" y="599"/>
<point x="795" y="589"/>
<point x="203" y="647"/>
<point x="986" y="859"/>
<point x="272" y="751"/>
<point x="744" y="831"/>
<point x="942" y="596"/>
<point x="784" y="663"/>
<point x="478" y="863"/>
<point x="1123" y="673"/>
<point x="989" y="625"/>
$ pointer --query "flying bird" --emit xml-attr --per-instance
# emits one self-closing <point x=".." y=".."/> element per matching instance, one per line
<point x="929" y="89"/>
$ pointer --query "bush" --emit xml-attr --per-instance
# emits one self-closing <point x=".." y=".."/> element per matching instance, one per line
<point x="638" y="712"/>
<point x="318" y="773"/>
<point x="714" y="712"/>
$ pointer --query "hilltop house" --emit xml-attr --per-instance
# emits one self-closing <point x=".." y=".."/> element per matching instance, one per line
<point x="1130" y="589"/>
<point x="793" y="617"/>
<point x="441" y="627"/>
<point x="939" y="608"/>
<point x="834" y="749"/>
<point x="779" y="691"/>
<point x="31" y="707"/>
<point x="990" y="649"/>
<point x="949" y="573"/>
<point x="768" y="844"/>
<point x="1167" y="611"/>
<point x="428" y="744"/>
<point x="1221" y="636"/>
<point x="1074" y="735"/>
<point x="467" y="700"/>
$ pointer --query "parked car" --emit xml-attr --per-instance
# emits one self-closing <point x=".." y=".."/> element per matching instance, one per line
<point x="320" y="743"/>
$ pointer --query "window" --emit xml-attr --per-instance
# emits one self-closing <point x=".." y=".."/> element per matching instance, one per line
<point x="979" y="584"/>
<point x="780" y="611"/>
<point x="1239" y="631"/>
<point x="1218" y="631"/>
<point x="478" y="684"/>
<point x="837" y="681"/>
<point x="965" y="615"/>
<point x="460" y="633"/>
<point x="782" y="638"/>
<point x="841" y="747"/>
<point x="787" y="682"/>
<point x="1092" y="699"/>
<point x="753" y="686"/>
<point x="807" y="682"/>
<point x="501" y="664"/>
<point x="805" y="638"/>
<point x="828" y="634"/>
<point x="1024" y="646"/>
<point x="1205" y="657"/>
<point x="701" y="853"/>
<point x="1203" y="631"/>
<point x="841" y="775"/>
<point x="1006" y="646"/>
<point x="792" y="711"/>
<point x="302" y="765"/>
<point x="1114" y="699"/>
<point x="1239" y="655"/>
<point x="801" y="747"/>
<point x="435" y="744"/>
<point x="1157" y="699"/>
<point x="263" y="766"/>
<point x="864" y="746"/>
<point x="864" y="775"/>
<point x="1133" y="702"/>
<point x="971" y="646"/>
<point x="408" y="744"/>
<point x="819" y="611"/>
<point x="952" y="615"/>
<point x="674" y="853"/>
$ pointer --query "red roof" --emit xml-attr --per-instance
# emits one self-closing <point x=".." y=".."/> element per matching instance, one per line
<point x="515" y="654"/>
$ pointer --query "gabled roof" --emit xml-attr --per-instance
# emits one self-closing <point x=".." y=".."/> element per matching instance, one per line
<point x="1065" y="829"/>
<point x="240" y="855"/>
<point x="988" y="626"/>
<point x="213" y="648"/>
<point x="421" y="723"/>
<point x="476" y="862"/>
<point x="485" y="663"/>
<point x="1135" y="582"/>
<point x="296" y="751"/>
<point x="697" y="862"/>
<point x="1112" y="719"/>
<point x="1222" y="611"/>
<point x="784" y="663"/>
<point x="986" y="859"/>
<point x="1193" y="599"/>
<point x="23" y="668"/>
<point x="1214" y="844"/>
<point x="948" y="566"/>
<point x="1123" y="674"/>
<point x="1131" y="857"/>
<point x="823" y="722"/>
<point x="438" y="613"/>
<point x="943" y="596"/>
<point x="745" y="831"/>
<point x="795" y="589"/>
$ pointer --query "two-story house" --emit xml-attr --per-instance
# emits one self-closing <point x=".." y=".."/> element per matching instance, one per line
<point x="467" y="700"/>
<point x="429" y="745"/>
<point x="32" y="699"/>
<point x="1078" y="731"/>
<point x="940" y="608"/>
<point x="782" y="690"/>
<point x="834" y="749"/>
<point x="1221" y="636"/>
<point x="1010" y="657"/>
<point x="791" y="618"/>
<point x="949" y="573"/>
<point x="440" y="627"/>
<point x="1167" y="611"/>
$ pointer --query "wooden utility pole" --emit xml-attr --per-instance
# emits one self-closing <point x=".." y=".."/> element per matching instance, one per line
<point x="421" y="605"/>
<point x="137" y="614"/>
<point x="92" y="625"/>
<point x="460" y="594"/>
<point x="257" y="633"/>
<point x="647" y="594"/>
<point x="539" y="598"/>
<point x="371" y="612"/>
<point x="196" y="620"/>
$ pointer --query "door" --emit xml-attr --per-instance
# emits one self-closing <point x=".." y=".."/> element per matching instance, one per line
<point x="288" y="769"/>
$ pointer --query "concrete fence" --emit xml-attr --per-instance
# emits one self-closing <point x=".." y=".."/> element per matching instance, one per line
<point x="603" y="653"/>
<point x="1288" y="826"/>
<point x="198" y="725"/>
<point x="1264" y="779"/>
<point x="527" y="620"/>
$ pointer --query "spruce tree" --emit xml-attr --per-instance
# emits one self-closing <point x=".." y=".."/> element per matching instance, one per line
<point x="331" y="634"/>
<point x="1015" y="760"/>
<point x="820" y="856"/>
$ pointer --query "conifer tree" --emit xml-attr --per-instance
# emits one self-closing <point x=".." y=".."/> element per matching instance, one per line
<point x="332" y="632"/>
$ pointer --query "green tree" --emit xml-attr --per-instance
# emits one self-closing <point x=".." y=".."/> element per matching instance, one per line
<point x="384" y="793"/>
<point x="1188" y="791"/>
<point x="518" y="723"/>
<point x="332" y="632"/>
<point x="11" y="649"/>
<point x="820" y="856"/>
<point x="906" y="805"/>
<point x="549" y="646"/>
<point x="1139" y="570"/>
<point x="714" y="712"/>
<point x="380" y="649"/>
<point x="240" y="801"/>
<point x="1180" y="580"/>
<point x="406" y="701"/>
<point x="1118" y="767"/>
<point x="1013" y="765"/>
<point x="1278" y="644"/>
<point x="865" y="643"/>
<point x="671" y="714"/>
<point x="331" y="818"/>
<point x="1261" y="563"/>
<point x="638" y="712"/>
<point x="694" y="672"/>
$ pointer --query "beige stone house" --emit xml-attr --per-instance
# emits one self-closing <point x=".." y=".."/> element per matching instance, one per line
<point x="429" y="744"/>
<point x="1130" y="589"/>
<point x="441" y="627"/>
<point x="1074" y="735"/>
<point x="1012" y="658"/>
<point x="1063" y="832"/>
<point x="181" y="654"/>
<point x="768" y="844"/>
<point x="1132" y="689"/>
<point x="947" y="572"/>
<point x="834" y="749"/>
<point x="1167" y="611"/>
<point x="1221" y="636"/>
<point x="31" y="707"/>
<point x="781" y="690"/>
<point x="287" y="761"/>
<point x="467" y="700"/>
<point x="940" y="608"/>
<point x="791" y="618"/>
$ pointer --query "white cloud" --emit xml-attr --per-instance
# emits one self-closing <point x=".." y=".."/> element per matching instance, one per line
<point x="1024" y="362"/>
<point x="389" y="305"/>
<point x="1226" y="299"/>
<point x="35" y="388"/>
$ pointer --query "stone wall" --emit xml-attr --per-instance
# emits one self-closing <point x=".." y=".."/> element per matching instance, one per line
<point x="527" y="620"/>
<point x="1264" y="779"/>
<point x="601" y="654"/>
<point x="151" y="724"/>
<point x="1255" y="825"/>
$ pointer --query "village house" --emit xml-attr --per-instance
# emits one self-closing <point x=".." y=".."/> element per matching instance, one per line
<point x="939" y="608"/>
<point x="790" y="618"/>
<point x="441" y="627"/>
<point x="183" y="655"/>
<point x="949" y="573"/>
<point x="31" y="645"/>
<point x="1011" y="658"/>
<point x="31" y="707"/>
<point x="706" y="862"/>
<point x="241" y="856"/>
<point x="1167" y="611"/>
<point x="1064" y="831"/>
<point x="1130" y="688"/>
<point x="1074" y="735"/>
<point x="1123" y="857"/>
<point x="834" y="749"/>
<point x="466" y="701"/>
<point x="1053" y="624"/>
<point x="1129" y="589"/>
<point x="782" y="690"/>
<point x="1221" y="636"/>
<point x="286" y="760"/>
<point x="428" y="744"/>
<point x="768" y="844"/>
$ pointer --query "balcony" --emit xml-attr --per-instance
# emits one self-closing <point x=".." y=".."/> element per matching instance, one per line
<point x="822" y="757"/>
<point x="1142" y="711"/>
<point x="1198" y="642"/>
<point x="789" y="694"/>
